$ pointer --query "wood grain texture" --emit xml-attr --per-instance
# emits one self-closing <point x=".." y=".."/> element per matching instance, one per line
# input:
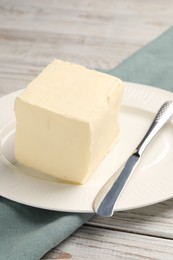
<point x="155" y="220"/>
<point x="97" y="34"/>
<point x="96" y="243"/>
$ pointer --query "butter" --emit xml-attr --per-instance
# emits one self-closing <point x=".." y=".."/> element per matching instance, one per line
<point x="67" y="120"/>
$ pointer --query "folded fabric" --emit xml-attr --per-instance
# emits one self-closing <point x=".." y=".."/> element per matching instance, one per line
<point x="27" y="233"/>
<point x="152" y="65"/>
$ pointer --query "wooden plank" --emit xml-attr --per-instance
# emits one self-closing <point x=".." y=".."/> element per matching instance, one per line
<point x="96" y="243"/>
<point x="88" y="33"/>
<point x="155" y="220"/>
<point x="95" y="34"/>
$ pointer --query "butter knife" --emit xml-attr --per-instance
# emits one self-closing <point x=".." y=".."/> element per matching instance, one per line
<point x="105" y="201"/>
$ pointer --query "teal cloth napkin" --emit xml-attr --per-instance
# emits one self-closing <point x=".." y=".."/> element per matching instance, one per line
<point x="27" y="233"/>
<point x="152" y="65"/>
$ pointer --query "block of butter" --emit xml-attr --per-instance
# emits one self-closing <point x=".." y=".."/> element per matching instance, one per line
<point x="67" y="120"/>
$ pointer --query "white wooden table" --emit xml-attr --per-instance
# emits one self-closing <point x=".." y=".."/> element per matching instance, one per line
<point x="98" y="34"/>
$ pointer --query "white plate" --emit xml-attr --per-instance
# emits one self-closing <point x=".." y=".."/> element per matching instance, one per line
<point x="152" y="181"/>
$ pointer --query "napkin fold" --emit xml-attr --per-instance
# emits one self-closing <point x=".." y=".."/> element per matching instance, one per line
<point x="27" y="233"/>
<point x="152" y="65"/>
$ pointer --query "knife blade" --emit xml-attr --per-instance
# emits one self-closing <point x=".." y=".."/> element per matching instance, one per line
<point x="105" y="200"/>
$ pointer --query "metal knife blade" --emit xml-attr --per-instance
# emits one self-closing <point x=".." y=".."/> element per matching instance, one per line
<point x="106" y="205"/>
<point x="107" y="197"/>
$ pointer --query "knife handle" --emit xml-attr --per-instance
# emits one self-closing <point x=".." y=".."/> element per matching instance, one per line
<point x="162" y="116"/>
<point x="106" y="198"/>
